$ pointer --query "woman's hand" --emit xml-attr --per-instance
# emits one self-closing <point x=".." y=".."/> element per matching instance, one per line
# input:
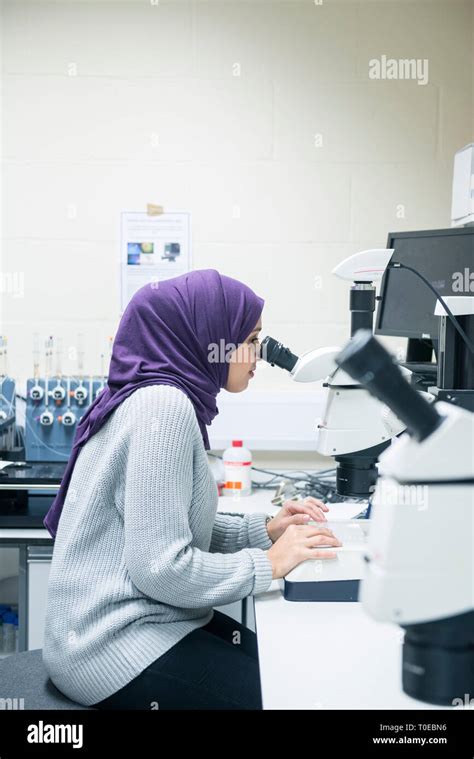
<point x="299" y="543"/>
<point x="296" y="512"/>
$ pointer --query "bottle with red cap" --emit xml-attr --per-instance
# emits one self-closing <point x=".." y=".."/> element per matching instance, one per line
<point x="237" y="469"/>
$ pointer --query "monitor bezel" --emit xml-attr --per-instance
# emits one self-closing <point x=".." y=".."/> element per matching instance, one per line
<point x="450" y="231"/>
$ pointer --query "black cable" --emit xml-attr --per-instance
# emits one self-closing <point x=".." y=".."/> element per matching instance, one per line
<point x="454" y="321"/>
<point x="306" y="475"/>
<point x="320" y="483"/>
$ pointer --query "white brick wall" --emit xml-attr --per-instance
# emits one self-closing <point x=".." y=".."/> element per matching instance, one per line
<point x="224" y="141"/>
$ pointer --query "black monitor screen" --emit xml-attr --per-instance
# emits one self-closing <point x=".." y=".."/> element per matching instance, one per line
<point x="446" y="258"/>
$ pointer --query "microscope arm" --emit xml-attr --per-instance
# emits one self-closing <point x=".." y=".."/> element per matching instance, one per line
<point x="315" y="365"/>
<point x="355" y="427"/>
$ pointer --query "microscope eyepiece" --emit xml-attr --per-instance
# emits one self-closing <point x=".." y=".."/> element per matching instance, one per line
<point x="365" y="359"/>
<point x="276" y="354"/>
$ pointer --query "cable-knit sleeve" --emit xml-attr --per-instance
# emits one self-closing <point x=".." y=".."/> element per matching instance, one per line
<point x="232" y="532"/>
<point x="159" y="553"/>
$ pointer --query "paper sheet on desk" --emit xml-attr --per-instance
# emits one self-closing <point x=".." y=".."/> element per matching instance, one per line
<point x="344" y="510"/>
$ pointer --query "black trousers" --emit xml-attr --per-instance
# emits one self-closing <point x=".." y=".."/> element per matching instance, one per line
<point x="213" y="667"/>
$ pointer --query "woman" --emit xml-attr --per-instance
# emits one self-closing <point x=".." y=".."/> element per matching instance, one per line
<point x="140" y="557"/>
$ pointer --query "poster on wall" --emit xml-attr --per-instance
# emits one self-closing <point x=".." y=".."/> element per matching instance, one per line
<point x="153" y="248"/>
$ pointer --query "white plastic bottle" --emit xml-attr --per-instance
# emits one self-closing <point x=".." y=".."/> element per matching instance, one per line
<point x="238" y="470"/>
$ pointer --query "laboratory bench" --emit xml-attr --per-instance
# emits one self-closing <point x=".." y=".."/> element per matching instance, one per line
<point x="316" y="655"/>
<point x="26" y="492"/>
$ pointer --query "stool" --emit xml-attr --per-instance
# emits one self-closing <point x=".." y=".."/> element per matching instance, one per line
<point x="25" y="684"/>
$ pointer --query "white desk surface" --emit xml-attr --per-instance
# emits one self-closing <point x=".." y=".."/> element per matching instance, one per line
<point x="323" y="655"/>
<point x="16" y="533"/>
<point x="314" y="655"/>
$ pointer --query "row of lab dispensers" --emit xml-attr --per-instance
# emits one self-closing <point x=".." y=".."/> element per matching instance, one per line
<point x="54" y="403"/>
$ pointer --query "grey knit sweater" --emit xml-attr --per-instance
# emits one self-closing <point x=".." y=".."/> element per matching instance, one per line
<point x="140" y="557"/>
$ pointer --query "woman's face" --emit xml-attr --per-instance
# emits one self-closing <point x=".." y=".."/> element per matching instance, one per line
<point x="243" y="362"/>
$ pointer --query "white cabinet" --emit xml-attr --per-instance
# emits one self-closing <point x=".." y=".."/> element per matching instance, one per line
<point x="38" y="568"/>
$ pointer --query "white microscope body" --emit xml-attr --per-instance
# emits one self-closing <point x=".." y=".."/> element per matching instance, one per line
<point x="419" y="567"/>
<point x="355" y="427"/>
<point x="353" y="420"/>
<point x="422" y="527"/>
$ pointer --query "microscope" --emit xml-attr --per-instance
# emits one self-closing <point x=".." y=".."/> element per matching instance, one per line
<point x="355" y="428"/>
<point x="419" y="566"/>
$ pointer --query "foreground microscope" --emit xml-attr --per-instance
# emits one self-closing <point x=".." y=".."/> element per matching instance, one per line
<point x="419" y="563"/>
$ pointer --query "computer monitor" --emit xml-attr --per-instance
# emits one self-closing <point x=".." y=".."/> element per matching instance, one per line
<point x="446" y="258"/>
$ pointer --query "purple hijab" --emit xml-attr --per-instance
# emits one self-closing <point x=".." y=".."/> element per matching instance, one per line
<point x="164" y="338"/>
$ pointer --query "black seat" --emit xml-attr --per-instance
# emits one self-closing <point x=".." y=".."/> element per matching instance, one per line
<point x="25" y="684"/>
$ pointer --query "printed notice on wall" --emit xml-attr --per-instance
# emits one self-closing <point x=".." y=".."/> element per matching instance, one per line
<point x="153" y="248"/>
